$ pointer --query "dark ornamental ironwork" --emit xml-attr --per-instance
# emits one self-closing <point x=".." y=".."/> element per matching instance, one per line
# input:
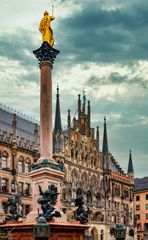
<point x="81" y="213"/>
<point x="46" y="53"/>
<point x="13" y="206"/>
<point x="41" y="229"/>
<point x="47" y="201"/>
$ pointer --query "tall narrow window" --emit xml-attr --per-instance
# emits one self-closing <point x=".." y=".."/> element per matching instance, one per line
<point x="4" y="185"/>
<point x="27" y="189"/>
<point x="137" y="198"/>
<point x="4" y="157"/>
<point x="20" y="164"/>
<point x="27" y="209"/>
<point x="26" y="167"/>
<point x="21" y="188"/>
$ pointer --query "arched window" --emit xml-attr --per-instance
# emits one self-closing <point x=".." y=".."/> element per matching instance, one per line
<point x="27" y="165"/>
<point x="79" y="191"/>
<point x="94" y="234"/>
<point x="21" y="165"/>
<point x="95" y="162"/>
<point x="89" y="197"/>
<point x="4" y="159"/>
<point x="98" y="199"/>
<point x="74" y="177"/>
<point x="76" y="154"/>
<point x="64" y="194"/>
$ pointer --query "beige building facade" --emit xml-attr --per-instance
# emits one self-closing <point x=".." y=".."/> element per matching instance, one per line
<point x="141" y="207"/>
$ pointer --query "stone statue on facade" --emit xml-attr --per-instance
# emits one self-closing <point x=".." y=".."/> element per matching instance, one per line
<point x="81" y="213"/>
<point x="46" y="30"/>
<point x="47" y="201"/>
<point x="13" y="206"/>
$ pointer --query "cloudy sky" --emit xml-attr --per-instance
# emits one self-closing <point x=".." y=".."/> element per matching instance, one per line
<point x="104" y="50"/>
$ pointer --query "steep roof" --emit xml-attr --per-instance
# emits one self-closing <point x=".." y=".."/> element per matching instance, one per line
<point x="140" y="184"/>
<point x="24" y="127"/>
<point x="115" y="167"/>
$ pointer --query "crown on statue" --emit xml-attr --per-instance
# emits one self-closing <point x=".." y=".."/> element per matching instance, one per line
<point x="46" y="13"/>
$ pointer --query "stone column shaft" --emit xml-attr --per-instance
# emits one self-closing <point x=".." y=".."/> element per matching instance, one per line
<point x="46" y="110"/>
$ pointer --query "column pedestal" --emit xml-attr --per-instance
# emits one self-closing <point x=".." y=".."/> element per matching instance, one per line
<point x="44" y="177"/>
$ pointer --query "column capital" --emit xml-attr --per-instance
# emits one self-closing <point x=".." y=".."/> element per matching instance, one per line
<point x="46" y="53"/>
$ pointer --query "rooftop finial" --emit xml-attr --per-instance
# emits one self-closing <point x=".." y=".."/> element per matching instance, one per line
<point x="104" y="119"/>
<point x="58" y="89"/>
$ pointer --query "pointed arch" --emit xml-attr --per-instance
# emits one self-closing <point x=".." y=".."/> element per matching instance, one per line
<point x="84" y="180"/>
<point x="94" y="234"/>
<point x="74" y="177"/>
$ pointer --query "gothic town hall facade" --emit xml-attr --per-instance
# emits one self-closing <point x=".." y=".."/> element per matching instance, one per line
<point x="95" y="173"/>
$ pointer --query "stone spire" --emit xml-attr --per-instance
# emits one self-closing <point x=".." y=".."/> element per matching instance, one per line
<point x="98" y="138"/>
<point x="79" y="106"/>
<point x="88" y="114"/>
<point x="105" y="151"/>
<point x="84" y="102"/>
<point x="57" y="125"/>
<point x="69" y="119"/>
<point x="130" y="170"/>
<point x="130" y="164"/>
<point x="105" y="141"/>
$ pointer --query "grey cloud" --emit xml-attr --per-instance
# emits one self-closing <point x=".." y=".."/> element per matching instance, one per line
<point x="95" y="34"/>
<point x="15" y="45"/>
<point x="115" y="78"/>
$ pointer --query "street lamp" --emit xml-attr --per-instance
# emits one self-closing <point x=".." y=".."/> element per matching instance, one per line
<point x="119" y="232"/>
<point x="41" y="229"/>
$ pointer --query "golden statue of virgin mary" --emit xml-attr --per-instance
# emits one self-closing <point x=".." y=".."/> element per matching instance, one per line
<point x="46" y="30"/>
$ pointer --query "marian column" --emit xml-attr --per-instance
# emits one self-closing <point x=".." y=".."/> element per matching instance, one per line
<point x="46" y="55"/>
<point x="45" y="171"/>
